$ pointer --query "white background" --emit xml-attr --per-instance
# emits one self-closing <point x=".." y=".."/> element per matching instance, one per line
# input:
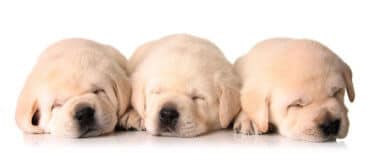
<point x="28" y="27"/>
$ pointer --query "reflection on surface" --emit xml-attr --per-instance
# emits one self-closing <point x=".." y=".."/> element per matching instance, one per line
<point x="133" y="138"/>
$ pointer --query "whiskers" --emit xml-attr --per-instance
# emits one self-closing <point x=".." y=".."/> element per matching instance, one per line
<point x="315" y="134"/>
<point x="189" y="129"/>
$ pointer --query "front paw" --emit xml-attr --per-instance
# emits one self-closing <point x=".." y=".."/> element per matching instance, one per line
<point x="131" y="120"/>
<point x="243" y="124"/>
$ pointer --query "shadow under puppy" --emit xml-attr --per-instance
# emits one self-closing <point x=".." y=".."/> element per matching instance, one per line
<point x="78" y="88"/>
<point x="296" y="85"/>
<point x="183" y="86"/>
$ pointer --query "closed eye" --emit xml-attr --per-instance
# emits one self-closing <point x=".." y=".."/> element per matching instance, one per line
<point x="296" y="104"/>
<point x="97" y="91"/>
<point x="56" y="105"/>
<point x="194" y="98"/>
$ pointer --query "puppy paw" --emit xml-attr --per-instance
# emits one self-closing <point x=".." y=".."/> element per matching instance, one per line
<point x="244" y="125"/>
<point x="131" y="120"/>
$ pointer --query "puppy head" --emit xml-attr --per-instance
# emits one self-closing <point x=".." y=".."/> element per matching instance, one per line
<point x="73" y="102"/>
<point x="307" y="108"/>
<point x="187" y="107"/>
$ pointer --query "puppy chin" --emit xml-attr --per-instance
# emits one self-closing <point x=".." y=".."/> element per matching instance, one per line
<point x="182" y="134"/>
<point x="177" y="132"/>
<point x="156" y="131"/>
<point x="91" y="133"/>
<point x="79" y="134"/>
<point x="189" y="134"/>
<point x="311" y="135"/>
<point x="61" y="129"/>
<point x="66" y="134"/>
<point x="168" y="134"/>
<point x="316" y="138"/>
<point x="73" y="131"/>
<point x="190" y="130"/>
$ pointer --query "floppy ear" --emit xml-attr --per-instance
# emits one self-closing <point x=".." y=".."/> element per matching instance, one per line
<point x="27" y="115"/>
<point x="121" y="85"/>
<point x="347" y="74"/>
<point x="256" y="104"/>
<point x="122" y="89"/>
<point x="138" y="97"/>
<point x="228" y="86"/>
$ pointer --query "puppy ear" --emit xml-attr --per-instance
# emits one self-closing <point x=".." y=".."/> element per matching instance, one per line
<point x="256" y="104"/>
<point x="228" y="86"/>
<point x="138" y="97"/>
<point x="122" y="89"/>
<point x="27" y="115"/>
<point x="121" y="83"/>
<point x="347" y="74"/>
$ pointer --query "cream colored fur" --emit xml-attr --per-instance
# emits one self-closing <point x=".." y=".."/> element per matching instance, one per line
<point x="68" y="74"/>
<point x="190" y="72"/>
<point x="294" y="84"/>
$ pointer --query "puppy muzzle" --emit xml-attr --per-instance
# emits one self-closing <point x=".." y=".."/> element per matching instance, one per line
<point x="168" y="117"/>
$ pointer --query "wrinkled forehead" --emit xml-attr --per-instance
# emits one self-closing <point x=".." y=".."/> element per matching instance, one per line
<point x="310" y="88"/>
<point x="181" y="84"/>
<point x="65" y="85"/>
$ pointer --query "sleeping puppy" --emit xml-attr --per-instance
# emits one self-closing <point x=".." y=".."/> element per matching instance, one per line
<point x="183" y="86"/>
<point x="297" y="86"/>
<point x="78" y="88"/>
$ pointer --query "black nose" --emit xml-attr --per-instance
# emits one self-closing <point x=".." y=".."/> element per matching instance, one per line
<point x="330" y="127"/>
<point x="168" y="116"/>
<point x="85" y="116"/>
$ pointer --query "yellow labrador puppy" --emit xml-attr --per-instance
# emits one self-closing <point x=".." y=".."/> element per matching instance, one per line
<point x="296" y="85"/>
<point x="78" y="88"/>
<point x="183" y="86"/>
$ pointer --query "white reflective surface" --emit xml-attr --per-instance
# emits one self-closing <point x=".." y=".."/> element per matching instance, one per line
<point x="142" y="139"/>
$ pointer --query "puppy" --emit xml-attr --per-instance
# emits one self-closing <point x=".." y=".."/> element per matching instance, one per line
<point x="78" y="88"/>
<point x="183" y="86"/>
<point x="297" y="86"/>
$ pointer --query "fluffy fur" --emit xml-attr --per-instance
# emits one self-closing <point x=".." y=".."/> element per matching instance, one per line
<point x="69" y="75"/>
<point x="297" y="85"/>
<point x="190" y="73"/>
